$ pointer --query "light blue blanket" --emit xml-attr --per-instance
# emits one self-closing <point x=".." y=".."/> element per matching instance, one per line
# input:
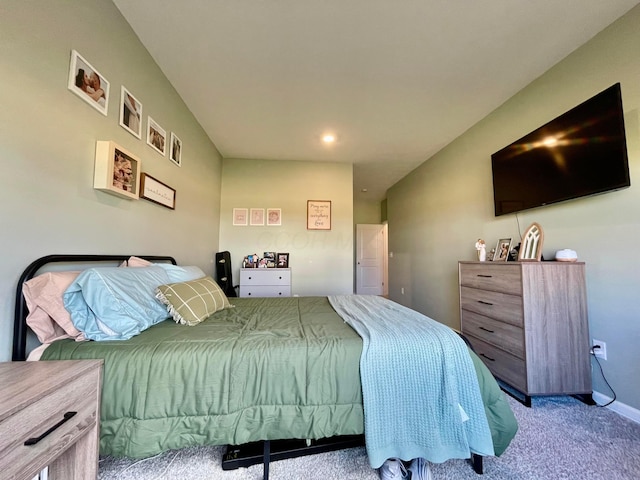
<point x="420" y="390"/>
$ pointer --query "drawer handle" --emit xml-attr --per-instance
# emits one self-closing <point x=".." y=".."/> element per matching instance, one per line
<point x="485" y="276"/>
<point x="487" y="357"/>
<point x="485" y="303"/>
<point x="250" y="278"/>
<point x="486" y="329"/>
<point x="33" y="440"/>
<point x="279" y="278"/>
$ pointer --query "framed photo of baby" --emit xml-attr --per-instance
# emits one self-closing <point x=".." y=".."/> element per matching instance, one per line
<point x="87" y="83"/>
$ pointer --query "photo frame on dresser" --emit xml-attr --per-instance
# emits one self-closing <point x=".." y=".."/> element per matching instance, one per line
<point x="503" y="248"/>
<point x="282" y="260"/>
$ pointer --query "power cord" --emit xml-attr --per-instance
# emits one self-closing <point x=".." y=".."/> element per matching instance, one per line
<point x="593" y="354"/>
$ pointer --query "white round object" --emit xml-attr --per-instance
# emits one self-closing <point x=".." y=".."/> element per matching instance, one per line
<point x="566" y="255"/>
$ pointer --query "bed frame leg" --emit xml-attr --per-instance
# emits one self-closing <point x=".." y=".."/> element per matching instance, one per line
<point x="476" y="461"/>
<point x="266" y="457"/>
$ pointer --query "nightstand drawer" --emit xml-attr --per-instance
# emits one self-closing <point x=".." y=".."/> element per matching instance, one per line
<point x="503" y="365"/>
<point x="500" y="306"/>
<point x="35" y="420"/>
<point x="500" y="334"/>
<point x="499" y="278"/>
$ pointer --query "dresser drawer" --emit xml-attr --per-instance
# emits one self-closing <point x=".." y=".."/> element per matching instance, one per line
<point x="500" y="334"/>
<point x="265" y="276"/>
<point x="43" y="414"/>
<point x="499" y="278"/>
<point x="503" y="365"/>
<point x="265" y="290"/>
<point x="500" y="306"/>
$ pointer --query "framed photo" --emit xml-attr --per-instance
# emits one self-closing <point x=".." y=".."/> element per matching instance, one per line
<point x="130" y="113"/>
<point x="240" y="217"/>
<point x="274" y="217"/>
<point x="257" y="216"/>
<point x="270" y="258"/>
<point x="156" y="136"/>
<point x="155" y="191"/>
<point x="175" y="153"/>
<point x="87" y="83"/>
<point x="502" y="250"/>
<point x="282" y="260"/>
<point x="318" y="215"/>
<point x="117" y="171"/>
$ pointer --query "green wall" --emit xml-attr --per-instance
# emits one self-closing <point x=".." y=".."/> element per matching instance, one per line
<point x="437" y="213"/>
<point x="47" y="146"/>
<point x="321" y="261"/>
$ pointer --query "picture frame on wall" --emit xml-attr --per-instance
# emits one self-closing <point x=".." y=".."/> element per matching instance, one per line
<point x="117" y="170"/>
<point x="87" y="83"/>
<point x="274" y="217"/>
<point x="175" y="153"/>
<point x="282" y="260"/>
<point x="256" y="217"/>
<point x="503" y="247"/>
<point x="156" y="191"/>
<point x="156" y="136"/>
<point x="240" y="217"/>
<point x="130" y="113"/>
<point x="318" y="214"/>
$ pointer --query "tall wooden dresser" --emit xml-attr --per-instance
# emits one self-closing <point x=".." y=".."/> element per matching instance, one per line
<point x="528" y="322"/>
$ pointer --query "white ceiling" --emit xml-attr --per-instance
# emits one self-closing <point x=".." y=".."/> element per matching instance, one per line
<point x="395" y="80"/>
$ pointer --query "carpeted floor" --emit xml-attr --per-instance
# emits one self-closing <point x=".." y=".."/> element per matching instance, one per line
<point x="559" y="438"/>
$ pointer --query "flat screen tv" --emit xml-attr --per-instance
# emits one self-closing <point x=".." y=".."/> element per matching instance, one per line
<point x="582" y="152"/>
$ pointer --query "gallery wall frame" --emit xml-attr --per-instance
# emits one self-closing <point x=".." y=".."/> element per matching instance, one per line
<point x="130" y="113"/>
<point x="156" y="136"/>
<point x="175" y="152"/>
<point x="318" y="214"/>
<point x="274" y="217"/>
<point x="256" y="217"/>
<point x="117" y="170"/>
<point x="240" y="217"/>
<point x="156" y="191"/>
<point x="87" y="83"/>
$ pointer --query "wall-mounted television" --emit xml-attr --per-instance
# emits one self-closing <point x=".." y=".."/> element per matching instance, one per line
<point x="582" y="152"/>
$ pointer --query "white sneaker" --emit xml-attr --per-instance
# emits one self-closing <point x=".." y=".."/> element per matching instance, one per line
<point x="420" y="470"/>
<point x="393" y="469"/>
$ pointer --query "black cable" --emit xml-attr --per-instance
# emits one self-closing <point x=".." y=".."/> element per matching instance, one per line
<point x="605" y="381"/>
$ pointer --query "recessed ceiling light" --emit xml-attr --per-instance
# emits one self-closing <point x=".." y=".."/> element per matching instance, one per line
<point x="328" y="138"/>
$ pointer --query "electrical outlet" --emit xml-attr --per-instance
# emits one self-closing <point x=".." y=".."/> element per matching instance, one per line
<point x="599" y="352"/>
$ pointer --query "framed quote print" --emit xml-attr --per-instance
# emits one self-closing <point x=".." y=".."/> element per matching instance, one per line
<point x="318" y="214"/>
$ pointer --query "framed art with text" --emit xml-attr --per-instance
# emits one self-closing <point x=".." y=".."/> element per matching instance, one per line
<point x="318" y="214"/>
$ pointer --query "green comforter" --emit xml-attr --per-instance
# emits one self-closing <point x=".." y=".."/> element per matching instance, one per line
<point x="269" y="368"/>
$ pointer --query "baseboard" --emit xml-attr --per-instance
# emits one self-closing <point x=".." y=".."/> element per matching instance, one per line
<point x="620" y="408"/>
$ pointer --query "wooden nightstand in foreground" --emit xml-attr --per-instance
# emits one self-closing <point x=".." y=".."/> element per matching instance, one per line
<point x="49" y="416"/>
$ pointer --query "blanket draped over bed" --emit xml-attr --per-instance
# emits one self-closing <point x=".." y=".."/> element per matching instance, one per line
<point x="420" y="391"/>
<point x="270" y="368"/>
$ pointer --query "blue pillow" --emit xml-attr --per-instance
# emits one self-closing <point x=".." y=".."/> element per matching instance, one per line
<point x="181" y="274"/>
<point x="111" y="303"/>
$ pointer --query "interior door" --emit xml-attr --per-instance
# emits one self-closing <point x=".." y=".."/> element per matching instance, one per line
<point x="370" y="259"/>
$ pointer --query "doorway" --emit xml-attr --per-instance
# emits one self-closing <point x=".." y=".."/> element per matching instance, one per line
<point x="371" y="259"/>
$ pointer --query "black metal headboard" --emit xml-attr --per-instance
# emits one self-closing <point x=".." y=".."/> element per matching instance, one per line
<point x="21" y="312"/>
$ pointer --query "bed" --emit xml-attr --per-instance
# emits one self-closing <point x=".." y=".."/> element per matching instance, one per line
<point x="266" y="369"/>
